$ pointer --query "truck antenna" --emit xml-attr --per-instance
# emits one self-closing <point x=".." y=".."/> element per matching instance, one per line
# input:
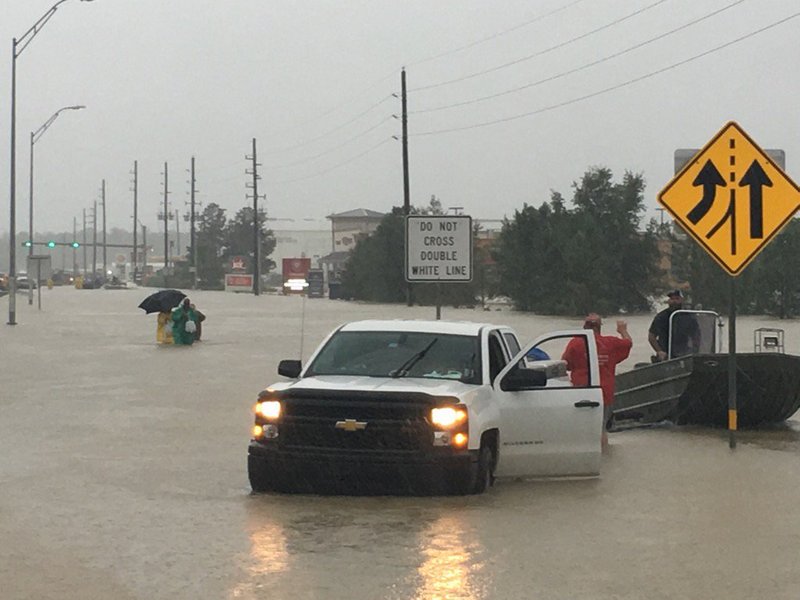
<point x="302" y="324"/>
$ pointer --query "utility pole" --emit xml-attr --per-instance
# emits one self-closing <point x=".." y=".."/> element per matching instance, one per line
<point x="256" y="228"/>
<point x="406" y="189"/>
<point x="178" y="252"/>
<point x="74" y="250"/>
<point x="191" y="225"/>
<point x="84" y="242"/>
<point x="135" y="260"/>
<point x="94" y="242"/>
<point x="105" y="259"/>
<point x="144" y="250"/>
<point x="165" y="215"/>
<point x="30" y="225"/>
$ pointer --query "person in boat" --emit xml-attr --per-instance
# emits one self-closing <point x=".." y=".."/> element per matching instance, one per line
<point x="685" y="332"/>
<point x="611" y="351"/>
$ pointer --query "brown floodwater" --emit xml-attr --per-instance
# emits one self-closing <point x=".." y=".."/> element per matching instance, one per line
<point x="123" y="475"/>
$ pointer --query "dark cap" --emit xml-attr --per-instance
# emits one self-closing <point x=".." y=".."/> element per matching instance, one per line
<point x="674" y="294"/>
<point x="592" y="320"/>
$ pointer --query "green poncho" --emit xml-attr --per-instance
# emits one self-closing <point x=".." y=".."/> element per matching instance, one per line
<point x="180" y="316"/>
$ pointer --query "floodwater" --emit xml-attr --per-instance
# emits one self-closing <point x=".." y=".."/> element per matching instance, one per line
<point x="123" y="476"/>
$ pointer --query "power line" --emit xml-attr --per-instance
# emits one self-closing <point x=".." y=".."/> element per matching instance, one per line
<point x="614" y="87"/>
<point x="344" y="103"/>
<point x="334" y="167"/>
<point x="329" y="150"/>
<point x="329" y="132"/>
<point x="541" y="52"/>
<point x="582" y="67"/>
<point x="495" y="35"/>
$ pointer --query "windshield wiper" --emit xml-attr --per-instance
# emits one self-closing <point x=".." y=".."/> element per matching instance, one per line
<point x="414" y="359"/>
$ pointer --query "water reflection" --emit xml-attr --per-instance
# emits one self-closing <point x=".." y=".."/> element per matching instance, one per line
<point x="783" y="437"/>
<point x="268" y="556"/>
<point x="453" y="565"/>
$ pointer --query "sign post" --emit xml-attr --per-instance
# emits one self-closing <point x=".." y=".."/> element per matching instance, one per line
<point x="41" y="264"/>
<point x="733" y="199"/>
<point x="438" y="250"/>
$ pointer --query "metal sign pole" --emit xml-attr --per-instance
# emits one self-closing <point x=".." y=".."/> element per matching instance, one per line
<point x="38" y="282"/>
<point x="438" y="301"/>
<point x="732" y="414"/>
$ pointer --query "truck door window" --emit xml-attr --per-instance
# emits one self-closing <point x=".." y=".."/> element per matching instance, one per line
<point x="564" y="359"/>
<point x="497" y="358"/>
<point x="512" y="343"/>
<point x="576" y="357"/>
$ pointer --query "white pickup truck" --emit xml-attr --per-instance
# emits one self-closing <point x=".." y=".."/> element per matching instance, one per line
<point x="426" y="407"/>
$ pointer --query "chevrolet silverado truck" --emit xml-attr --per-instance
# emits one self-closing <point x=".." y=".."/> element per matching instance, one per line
<point x="426" y="407"/>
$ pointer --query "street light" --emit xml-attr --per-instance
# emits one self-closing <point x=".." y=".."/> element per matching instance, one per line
<point x="17" y="48"/>
<point x="35" y="136"/>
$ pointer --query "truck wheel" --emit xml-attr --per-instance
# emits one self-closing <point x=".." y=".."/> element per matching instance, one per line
<point x="259" y="480"/>
<point x="484" y="477"/>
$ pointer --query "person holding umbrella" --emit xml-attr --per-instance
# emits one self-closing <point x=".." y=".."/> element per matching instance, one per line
<point x="184" y="323"/>
<point x="162" y="302"/>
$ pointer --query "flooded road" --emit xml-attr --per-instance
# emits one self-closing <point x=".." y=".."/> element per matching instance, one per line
<point x="123" y="475"/>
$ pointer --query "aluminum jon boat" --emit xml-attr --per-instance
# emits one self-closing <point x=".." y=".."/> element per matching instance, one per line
<point x="693" y="389"/>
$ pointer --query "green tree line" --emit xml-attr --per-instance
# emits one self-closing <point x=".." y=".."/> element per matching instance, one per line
<point x="217" y="240"/>
<point x="591" y="253"/>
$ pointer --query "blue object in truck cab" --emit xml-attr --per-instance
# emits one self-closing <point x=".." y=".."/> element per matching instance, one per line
<point x="537" y="354"/>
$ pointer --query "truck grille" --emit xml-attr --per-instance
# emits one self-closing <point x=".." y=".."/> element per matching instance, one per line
<point x="391" y="426"/>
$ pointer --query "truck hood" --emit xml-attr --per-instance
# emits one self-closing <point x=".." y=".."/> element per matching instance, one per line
<point x="435" y="387"/>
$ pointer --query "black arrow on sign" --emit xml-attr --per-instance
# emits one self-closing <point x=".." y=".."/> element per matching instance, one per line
<point x="709" y="178"/>
<point x="756" y="178"/>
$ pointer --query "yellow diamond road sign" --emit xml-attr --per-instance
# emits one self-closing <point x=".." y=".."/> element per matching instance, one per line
<point x="732" y="198"/>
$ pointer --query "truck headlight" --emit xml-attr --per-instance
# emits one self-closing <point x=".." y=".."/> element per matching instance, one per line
<point x="269" y="409"/>
<point x="448" y="416"/>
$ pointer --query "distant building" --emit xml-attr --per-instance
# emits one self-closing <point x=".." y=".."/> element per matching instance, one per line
<point x="349" y="227"/>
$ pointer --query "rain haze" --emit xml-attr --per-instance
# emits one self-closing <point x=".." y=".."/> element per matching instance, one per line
<point x="507" y="101"/>
<point x="136" y="452"/>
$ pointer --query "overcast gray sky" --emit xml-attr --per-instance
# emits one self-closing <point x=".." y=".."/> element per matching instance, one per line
<point x="165" y="80"/>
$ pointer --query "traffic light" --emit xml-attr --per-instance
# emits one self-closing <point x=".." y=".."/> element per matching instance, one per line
<point x="27" y="243"/>
<point x="51" y="244"/>
<point x="76" y="245"/>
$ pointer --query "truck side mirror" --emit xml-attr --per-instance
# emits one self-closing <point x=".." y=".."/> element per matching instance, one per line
<point x="290" y="368"/>
<point x="518" y="379"/>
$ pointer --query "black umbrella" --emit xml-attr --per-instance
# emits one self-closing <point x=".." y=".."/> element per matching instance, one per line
<point x="162" y="301"/>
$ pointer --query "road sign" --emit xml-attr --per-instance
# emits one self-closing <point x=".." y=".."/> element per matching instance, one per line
<point x="731" y="198"/>
<point x="238" y="282"/>
<point x="439" y="248"/>
<point x="684" y="155"/>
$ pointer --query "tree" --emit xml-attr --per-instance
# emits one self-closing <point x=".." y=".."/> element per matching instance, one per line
<point x="210" y="239"/>
<point x="593" y="257"/>
<point x="239" y="238"/>
<point x="374" y="269"/>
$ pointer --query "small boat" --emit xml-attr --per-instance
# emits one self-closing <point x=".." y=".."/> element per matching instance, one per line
<point x="693" y="389"/>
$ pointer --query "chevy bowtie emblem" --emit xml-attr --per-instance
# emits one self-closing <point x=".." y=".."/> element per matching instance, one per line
<point x="351" y="425"/>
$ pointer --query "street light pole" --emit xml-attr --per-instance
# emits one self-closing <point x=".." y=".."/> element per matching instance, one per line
<point x="22" y="43"/>
<point x="35" y="136"/>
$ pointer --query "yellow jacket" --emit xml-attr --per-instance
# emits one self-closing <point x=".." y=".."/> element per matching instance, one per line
<point x="164" y="329"/>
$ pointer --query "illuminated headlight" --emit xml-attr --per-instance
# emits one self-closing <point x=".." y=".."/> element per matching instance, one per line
<point x="269" y="409"/>
<point x="448" y="416"/>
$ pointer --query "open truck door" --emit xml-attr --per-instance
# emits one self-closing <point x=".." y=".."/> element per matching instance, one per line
<point x="550" y="426"/>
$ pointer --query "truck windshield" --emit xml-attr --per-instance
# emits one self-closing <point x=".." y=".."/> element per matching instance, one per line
<point x="382" y="353"/>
